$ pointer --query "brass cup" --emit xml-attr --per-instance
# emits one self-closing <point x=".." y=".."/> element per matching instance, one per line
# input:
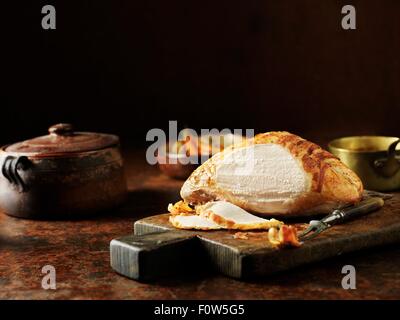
<point x="375" y="159"/>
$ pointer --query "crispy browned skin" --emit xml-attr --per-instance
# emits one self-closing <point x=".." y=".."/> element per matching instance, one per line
<point x="180" y="207"/>
<point x="288" y="236"/>
<point x="332" y="183"/>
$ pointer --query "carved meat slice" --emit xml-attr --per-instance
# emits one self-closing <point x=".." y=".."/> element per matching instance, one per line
<point x="187" y="221"/>
<point x="275" y="173"/>
<point x="230" y="216"/>
<point x="217" y="215"/>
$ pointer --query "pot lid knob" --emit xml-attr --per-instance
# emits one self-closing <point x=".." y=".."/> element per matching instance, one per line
<point x="61" y="129"/>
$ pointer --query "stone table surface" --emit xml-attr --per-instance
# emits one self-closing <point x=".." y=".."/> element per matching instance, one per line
<point x="79" y="251"/>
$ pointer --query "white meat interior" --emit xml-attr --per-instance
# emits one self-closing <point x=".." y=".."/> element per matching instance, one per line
<point x="193" y="222"/>
<point x="264" y="176"/>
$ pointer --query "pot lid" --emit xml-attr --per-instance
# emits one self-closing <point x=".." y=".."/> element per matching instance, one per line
<point x="63" y="139"/>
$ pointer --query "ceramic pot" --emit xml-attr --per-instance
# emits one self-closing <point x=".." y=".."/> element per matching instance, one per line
<point x="64" y="174"/>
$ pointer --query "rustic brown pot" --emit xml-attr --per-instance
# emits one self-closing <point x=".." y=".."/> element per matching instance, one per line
<point x="62" y="175"/>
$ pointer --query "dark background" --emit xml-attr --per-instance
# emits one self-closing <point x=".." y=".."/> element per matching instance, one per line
<point x="129" y="66"/>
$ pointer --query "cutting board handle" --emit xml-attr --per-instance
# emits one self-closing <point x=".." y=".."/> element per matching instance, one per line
<point x="154" y="255"/>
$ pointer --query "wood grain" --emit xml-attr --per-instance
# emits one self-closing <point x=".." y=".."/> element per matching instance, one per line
<point x="160" y="244"/>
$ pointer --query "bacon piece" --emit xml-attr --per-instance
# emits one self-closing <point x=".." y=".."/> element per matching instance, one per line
<point x="285" y="236"/>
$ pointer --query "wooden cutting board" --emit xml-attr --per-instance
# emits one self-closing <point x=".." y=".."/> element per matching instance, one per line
<point x="157" y="249"/>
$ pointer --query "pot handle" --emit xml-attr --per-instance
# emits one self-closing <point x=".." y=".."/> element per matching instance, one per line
<point x="389" y="166"/>
<point x="10" y="168"/>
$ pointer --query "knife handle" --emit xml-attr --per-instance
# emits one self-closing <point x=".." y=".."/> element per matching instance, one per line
<point x="363" y="208"/>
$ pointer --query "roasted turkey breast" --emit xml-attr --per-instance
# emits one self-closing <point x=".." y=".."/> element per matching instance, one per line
<point x="275" y="173"/>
